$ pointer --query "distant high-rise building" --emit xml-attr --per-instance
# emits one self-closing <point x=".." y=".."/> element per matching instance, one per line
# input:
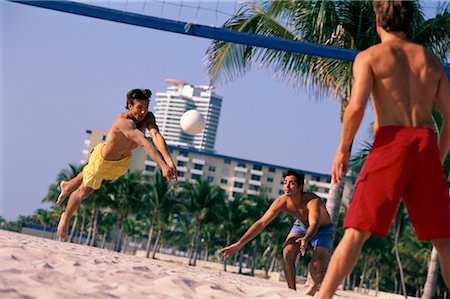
<point x="179" y="98"/>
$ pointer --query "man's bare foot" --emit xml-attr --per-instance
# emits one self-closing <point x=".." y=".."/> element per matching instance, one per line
<point x="312" y="289"/>
<point x="63" y="194"/>
<point x="63" y="227"/>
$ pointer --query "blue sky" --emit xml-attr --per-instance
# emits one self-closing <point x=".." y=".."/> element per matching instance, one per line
<point x="63" y="74"/>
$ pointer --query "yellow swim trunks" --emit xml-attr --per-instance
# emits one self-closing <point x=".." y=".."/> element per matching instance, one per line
<point x="99" y="169"/>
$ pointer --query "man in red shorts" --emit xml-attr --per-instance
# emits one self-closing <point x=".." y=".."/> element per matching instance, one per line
<point x="404" y="81"/>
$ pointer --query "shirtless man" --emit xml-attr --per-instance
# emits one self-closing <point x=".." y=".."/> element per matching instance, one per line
<point x="112" y="158"/>
<point x="312" y="227"/>
<point x="404" y="80"/>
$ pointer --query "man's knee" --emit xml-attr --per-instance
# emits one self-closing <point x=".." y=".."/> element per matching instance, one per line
<point x="442" y="245"/>
<point x="357" y="235"/>
<point x="291" y="249"/>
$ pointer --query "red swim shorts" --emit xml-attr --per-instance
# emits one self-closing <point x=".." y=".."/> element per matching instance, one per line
<point x="403" y="164"/>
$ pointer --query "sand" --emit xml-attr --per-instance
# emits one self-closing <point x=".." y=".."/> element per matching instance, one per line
<point x="33" y="267"/>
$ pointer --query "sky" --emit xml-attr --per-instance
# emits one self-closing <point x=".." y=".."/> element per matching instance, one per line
<point x="63" y="74"/>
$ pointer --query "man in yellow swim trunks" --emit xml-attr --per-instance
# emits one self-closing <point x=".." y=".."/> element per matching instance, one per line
<point x="112" y="158"/>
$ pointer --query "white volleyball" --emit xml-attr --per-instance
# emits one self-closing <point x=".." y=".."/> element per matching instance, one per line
<point x="192" y="122"/>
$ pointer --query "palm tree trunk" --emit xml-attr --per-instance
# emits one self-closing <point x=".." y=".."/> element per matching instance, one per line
<point x="196" y="245"/>
<point x="334" y="202"/>
<point x="224" y="259"/>
<point x="94" y="210"/>
<point x="206" y="256"/>
<point x="241" y="256"/>
<point x="74" y="226"/>
<point x="103" y="241"/>
<point x="433" y="269"/>
<point x="268" y="261"/>
<point x="397" y="256"/>
<point x="149" y="238"/>
<point x="193" y="246"/>
<point x="83" y="220"/>
<point x="158" y="236"/>
<point x="125" y="247"/>
<point x="363" y="273"/>
<point x="94" y="233"/>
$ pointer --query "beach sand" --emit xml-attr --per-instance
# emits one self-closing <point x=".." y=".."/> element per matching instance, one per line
<point x="33" y="267"/>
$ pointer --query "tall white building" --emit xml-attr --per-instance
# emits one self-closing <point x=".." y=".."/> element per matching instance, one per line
<point x="180" y="97"/>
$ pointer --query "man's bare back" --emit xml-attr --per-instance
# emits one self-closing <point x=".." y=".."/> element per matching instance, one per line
<point x="405" y="83"/>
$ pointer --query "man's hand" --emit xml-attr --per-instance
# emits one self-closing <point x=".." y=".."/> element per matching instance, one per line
<point x="230" y="250"/>
<point x="167" y="173"/>
<point x="340" y="164"/>
<point x="303" y="245"/>
<point x="174" y="170"/>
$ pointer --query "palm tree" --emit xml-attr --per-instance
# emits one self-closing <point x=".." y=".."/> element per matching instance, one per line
<point x="159" y="201"/>
<point x="128" y="191"/>
<point x="346" y="24"/>
<point x="235" y="212"/>
<point x="202" y="201"/>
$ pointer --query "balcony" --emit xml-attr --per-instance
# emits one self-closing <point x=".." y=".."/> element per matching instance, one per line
<point x="257" y="172"/>
<point x="239" y="190"/>
<point x="183" y="158"/>
<point x="319" y="184"/>
<point x="255" y="183"/>
<point x="150" y="163"/>
<point x="181" y="168"/>
<point x="198" y="161"/>
<point x="241" y="169"/>
<point x="197" y="171"/>
<point x="252" y="192"/>
<point x="239" y="180"/>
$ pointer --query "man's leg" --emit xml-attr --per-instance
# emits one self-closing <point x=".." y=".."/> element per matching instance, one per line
<point x="290" y="252"/>
<point x="74" y="202"/>
<point x="343" y="260"/>
<point x="68" y="186"/>
<point x="443" y="248"/>
<point x="320" y="254"/>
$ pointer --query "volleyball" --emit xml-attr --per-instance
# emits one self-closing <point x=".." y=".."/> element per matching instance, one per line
<point x="192" y="122"/>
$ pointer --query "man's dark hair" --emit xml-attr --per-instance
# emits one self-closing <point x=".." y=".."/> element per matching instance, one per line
<point x="394" y="15"/>
<point x="298" y="175"/>
<point x="137" y="94"/>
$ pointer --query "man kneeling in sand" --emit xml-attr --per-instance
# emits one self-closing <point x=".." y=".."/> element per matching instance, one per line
<point x="313" y="227"/>
<point x="112" y="158"/>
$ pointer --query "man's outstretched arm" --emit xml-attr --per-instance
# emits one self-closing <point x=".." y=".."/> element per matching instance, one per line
<point x="353" y="115"/>
<point x="254" y="230"/>
<point x="443" y="104"/>
<point x="128" y="128"/>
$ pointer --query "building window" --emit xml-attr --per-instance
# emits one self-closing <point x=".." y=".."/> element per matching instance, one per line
<point x="181" y="174"/>
<point x="184" y="154"/>
<point x="240" y="164"/>
<point x="238" y="185"/>
<point x="198" y="166"/>
<point x="269" y="190"/>
<point x="280" y="192"/>
<point x="195" y="177"/>
<point x="227" y="161"/>
<point x="257" y="167"/>
<point x="212" y="168"/>
<point x="181" y="163"/>
<point x="256" y="177"/>
<point x="103" y="137"/>
<point x="210" y="178"/>
<point x="149" y="168"/>
<point x="270" y="180"/>
<point x="225" y="171"/>
<point x="253" y="187"/>
<point x="224" y="181"/>
<point x="271" y="169"/>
